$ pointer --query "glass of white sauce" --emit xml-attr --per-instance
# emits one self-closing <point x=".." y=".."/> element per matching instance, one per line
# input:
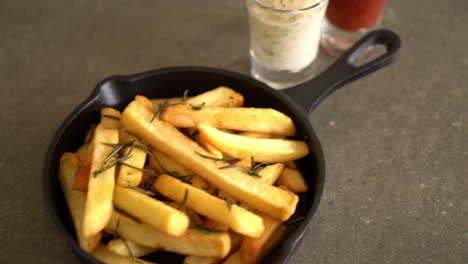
<point x="284" y="39"/>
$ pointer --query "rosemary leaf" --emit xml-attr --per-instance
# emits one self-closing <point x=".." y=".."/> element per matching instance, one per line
<point x="216" y="159"/>
<point x="113" y="153"/>
<point x="120" y="211"/>
<point x="197" y="107"/>
<point x="205" y="229"/>
<point x="161" y="109"/>
<point x="229" y="202"/>
<point x="184" y="96"/>
<point x="184" y="200"/>
<point x="247" y="169"/>
<point x="97" y="172"/>
<point x="292" y="221"/>
<point x="128" y="248"/>
<point x="138" y="138"/>
<point x="136" y="168"/>
<point x="111" y="117"/>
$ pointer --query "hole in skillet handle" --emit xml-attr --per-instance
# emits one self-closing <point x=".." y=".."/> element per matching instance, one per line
<point x="310" y="93"/>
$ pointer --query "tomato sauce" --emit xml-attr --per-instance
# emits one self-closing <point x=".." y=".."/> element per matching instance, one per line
<point x="354" y="15"/>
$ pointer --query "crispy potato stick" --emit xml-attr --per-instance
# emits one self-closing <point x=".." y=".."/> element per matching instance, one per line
<point x="132" y="174"/>
<point x="260" y="135"/>
<point x="271" y="173"/>
<point x="75" y="200"/>
<point x="262" y="150"/>
<point x="98" y="207"/>
<point x="292" y="179"/>
<point x="195" y="242"/>
<point x="264" y="120"/>
<point x="221" y="96"/>
<point x="105" y="255"/>
<point x="232" y="215"/>
<point x="201" y="140"/>
<point x="273" y="241"/>
<point x="234" y="258"/>
<point x="81" y="179"/>
<point x="150" y="211"/>
<point x="269" y="199"/>
<point x="110" y="118"/>
<point x="201" y="260"/>
<point x="251" y="248"/>
<point x="129" y="248"/>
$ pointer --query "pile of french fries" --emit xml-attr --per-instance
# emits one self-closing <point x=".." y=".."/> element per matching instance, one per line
<point x="199" y="176"/>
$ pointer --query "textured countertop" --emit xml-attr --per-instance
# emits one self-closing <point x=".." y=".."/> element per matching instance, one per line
<point x="396" y="142"/>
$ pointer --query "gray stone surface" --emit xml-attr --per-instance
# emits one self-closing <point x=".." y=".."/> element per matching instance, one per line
<point x="395" y="142"/>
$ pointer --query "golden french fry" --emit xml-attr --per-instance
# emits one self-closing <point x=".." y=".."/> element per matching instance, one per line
<point x="81" y="179"/>
<point x="129" y="248"/>
<point x="132" y="173"/>
<point x="264" y="120"/>
<point x="273" y="241"/>
<point x="165" y="163"/>
<point x="221" y="96"/>
<point x="98" y="207"/>
<point x="292" y="179"/>
<point x="251" y="248"/>
<point x="153" y="212"/>
<point x="277" y="203"/>
<point x="75" y="200"/>
<point x="232" y="215"/>
<point x="234" y="258"/>
<point x="210" y="148"/>
<point x="261" y="135"/>
<point x="110" y="118"/>
<point x="194" y="242"/>
<point x="105" y="255"/>
<point x="262" y="150"/>
<point x="201" y="260"/>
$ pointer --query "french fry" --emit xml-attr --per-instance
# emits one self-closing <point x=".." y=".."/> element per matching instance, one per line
<point x="236" y="217"/>
<point x="277" y="203"/>
<point x="105" y="255"/>
<point x="262" y="150"/>
<point x="166" y="164"/>
<point x="153" y="212"/>
<point x="273" y="241"/>
<point x="264" y="120"/>
<point x="221" y="96"/>
<point x="210" y="148"/>
<point x="98" y="207"/>
<point x="75" y="200"/>
<point x="292" y="179"/>
<point x="131" y="173"/>
<point x="251" y="248"/>
<point x="194" y="242"/>
<point x="129" y="248"/>
<point x="110" y="118"/>
<point x="81" y="179"/>
<point x="234" y="258"/>
<point x="260" y="135"/>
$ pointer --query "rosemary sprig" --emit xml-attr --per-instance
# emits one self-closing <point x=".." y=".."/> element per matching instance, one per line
<point x="184" y="200"/>
<point x="120" y="211"/>
<point x="216" y="159"/>
<point x="253" y="171"/>
<point x="138" y="138"/>
<point x="197" y="107"/>
<point x="136" y="168"/>
<point x="205" y="229"/>
<point x="247" y="169"/>
<point x="161" y="109"/>
<point x="116" y="235"/>
<point x="148" y="182"/>
<point x="136" y="188"/>
<point x="182" y="178"/>
<point x="229" y="202"/>
<point x="292" y="221"/>
<point x="111" y="117"/>
<point x="102" y="169"/>
<point x="184" y="96"/>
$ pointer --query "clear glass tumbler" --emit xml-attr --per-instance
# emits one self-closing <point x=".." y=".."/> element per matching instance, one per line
<point x="346" y="21"/>
<point x="284" y="39"/>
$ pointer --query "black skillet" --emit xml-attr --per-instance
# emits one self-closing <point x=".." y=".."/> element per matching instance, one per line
<point x="296" y="102"/>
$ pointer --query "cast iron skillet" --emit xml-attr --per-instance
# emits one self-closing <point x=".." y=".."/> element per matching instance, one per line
<point x="296" y="102"/>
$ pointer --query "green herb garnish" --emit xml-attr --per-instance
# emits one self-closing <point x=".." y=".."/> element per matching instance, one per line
<point x="184" y="200"/>
<point x="161" y="109"/>
<point x="216" y="159"/>
<point x="197" y="107"/>
<point x="184" y="96"/>
<point x="290" y="222"/>
<point x="229" y="202"/>
<point x="111" y="117"/>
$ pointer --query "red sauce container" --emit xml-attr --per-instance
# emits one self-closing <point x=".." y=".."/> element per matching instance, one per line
<point x="354" y="15"/>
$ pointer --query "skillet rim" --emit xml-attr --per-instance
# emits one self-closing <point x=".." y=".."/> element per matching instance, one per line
<point x="288" y="246"/>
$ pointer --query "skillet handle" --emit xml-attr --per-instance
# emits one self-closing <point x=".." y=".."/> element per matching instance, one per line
<point x="310" y="93"/>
